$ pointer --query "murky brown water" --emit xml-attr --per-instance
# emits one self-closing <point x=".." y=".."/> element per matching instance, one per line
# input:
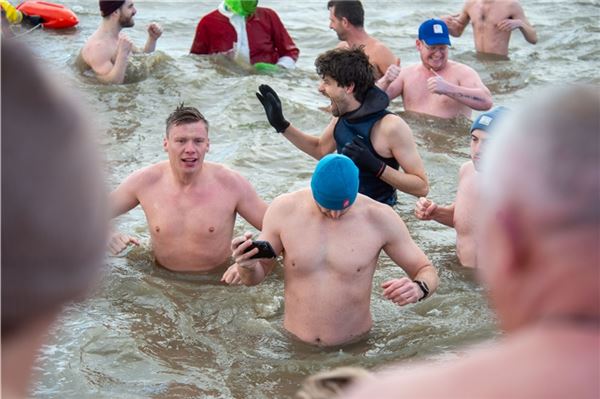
<point x="149" y="333"/>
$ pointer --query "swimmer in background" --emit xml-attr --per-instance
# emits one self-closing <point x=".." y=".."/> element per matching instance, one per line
<point x="347" y="19"/>
<point x="331" y="238"/>
<point x="493" y="22"/>
<point x="244" y="31"/>
<point x="108" y="50"/>
<point x="190" y="204"/>
<point x="437" y="86"/>
<point x="459" y="214"/>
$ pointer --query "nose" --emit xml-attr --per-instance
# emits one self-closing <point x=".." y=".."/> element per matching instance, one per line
<point x="321" y="87"/>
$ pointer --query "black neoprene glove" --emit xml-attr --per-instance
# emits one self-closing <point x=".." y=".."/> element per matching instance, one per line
<point x="270" y="101"/>
<point x="358" y="151"/>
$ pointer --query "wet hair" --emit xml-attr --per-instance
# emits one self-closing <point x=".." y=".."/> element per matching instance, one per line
<point x="347" y="67"/>
<point x="107" y="7"/>
<point x="184" y="115"/>
<point x="54" y="208"/>
<point x="331" y="383"/>
<point x="351" y="10"/>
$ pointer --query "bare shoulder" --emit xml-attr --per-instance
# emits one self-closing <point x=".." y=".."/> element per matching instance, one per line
<point x="288" y="203"/>
<point x="393" y="126"/>
<point x="146" y="176"/>
<point x="376" y="212"/>
<point x="466" y="169"/>
<point x="226" y="176"/>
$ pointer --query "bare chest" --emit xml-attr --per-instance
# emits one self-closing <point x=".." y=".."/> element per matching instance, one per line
<point x="335" y="250"/>
<point x="198" y="213"/>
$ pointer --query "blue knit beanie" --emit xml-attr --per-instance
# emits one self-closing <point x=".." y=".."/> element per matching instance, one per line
<point x="487" y="119"/>
<point x="335" y="182"/>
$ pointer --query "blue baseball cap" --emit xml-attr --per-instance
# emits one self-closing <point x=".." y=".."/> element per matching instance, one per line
<point x="487" y="119"/>
<point x="334" y="183"/>
<point x="434" y="32"/>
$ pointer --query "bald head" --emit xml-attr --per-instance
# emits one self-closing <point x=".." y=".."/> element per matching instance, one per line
<point x="546" y="159"/>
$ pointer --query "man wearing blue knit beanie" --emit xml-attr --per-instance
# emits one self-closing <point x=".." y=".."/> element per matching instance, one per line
<point x="459" y="214"/>
<point x="331" y="237"/>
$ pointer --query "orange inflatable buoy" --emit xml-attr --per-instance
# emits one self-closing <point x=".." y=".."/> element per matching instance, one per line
<point x="54" y="16"/>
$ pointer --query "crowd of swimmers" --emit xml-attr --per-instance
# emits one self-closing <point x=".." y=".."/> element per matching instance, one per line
<point x="526" y="213"/>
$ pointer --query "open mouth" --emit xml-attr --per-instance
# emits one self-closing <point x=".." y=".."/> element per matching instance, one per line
<point x="189" y="162"/>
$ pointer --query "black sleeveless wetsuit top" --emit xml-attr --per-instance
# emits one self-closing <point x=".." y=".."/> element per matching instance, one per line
<point x="359" y="124"/>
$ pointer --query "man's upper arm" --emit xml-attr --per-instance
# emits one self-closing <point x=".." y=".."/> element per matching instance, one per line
<point x="250" y="206"/>
<point x="384" y="58"/>
<point x="124" y="197"/>
<point x="404" y="149"/>
<point x="271" y="231"/>
<point x="99" y="60"/>
<point x="470" y="78"/>
<point x="400" y="246"/>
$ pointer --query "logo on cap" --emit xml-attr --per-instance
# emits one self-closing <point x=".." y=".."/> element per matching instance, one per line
<point x="437" y="28"/>
<point x="485" y="120"/>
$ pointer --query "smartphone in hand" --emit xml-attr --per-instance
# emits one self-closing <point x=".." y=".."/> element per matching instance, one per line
<point x="265" y="250"/>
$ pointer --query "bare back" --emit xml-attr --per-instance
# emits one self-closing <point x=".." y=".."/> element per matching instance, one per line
<point x="191" y="226"/>
<point x="467" y="199"/>
<point x="417" y="97"/>
<point x="379" y="55"/>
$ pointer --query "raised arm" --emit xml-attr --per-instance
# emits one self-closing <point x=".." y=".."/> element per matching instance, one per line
<point x="316" y="147"/>
<point x="458" y="22"/>
<point x="426" y="209"/>
<point x="401" y="248"/>
<point x="469" y="91"/>
<point x="154" y="32"/>
<point x="519" y="20"/>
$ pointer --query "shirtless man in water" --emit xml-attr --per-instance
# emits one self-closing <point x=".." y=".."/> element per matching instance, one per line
<point x="107" y="51"/>
<point x="493" y="22"/>
<point x="460" y="213"/>
<point x="190" y="204"/>
<point x="539" y="259"/>
<point x="331" y="239"/>
<point x="347" y="19"/>
<point x="437" y="86"/>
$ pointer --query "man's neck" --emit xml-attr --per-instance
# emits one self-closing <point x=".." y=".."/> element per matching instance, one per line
<point x="110" y="27"/>
<point x="356" y="36"/>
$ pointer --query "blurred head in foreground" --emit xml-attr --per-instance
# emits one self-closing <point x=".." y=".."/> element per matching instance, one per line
<point x="331" y="383"/>
<point x="54" y="221"/>
<point x="539" y="229"/>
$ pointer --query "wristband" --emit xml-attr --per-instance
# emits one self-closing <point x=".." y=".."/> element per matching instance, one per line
<point x="423" y="286"/>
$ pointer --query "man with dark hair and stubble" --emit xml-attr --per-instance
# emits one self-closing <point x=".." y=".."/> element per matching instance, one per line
<point x="347" y="19"/>
<point x="107" y="51"/>
<point x="190" y="204"/>
<point x="378" y="141"/>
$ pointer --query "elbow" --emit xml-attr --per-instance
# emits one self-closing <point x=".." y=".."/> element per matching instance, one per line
<point x="422" y="191"/>
<point x="485" y="104"/>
